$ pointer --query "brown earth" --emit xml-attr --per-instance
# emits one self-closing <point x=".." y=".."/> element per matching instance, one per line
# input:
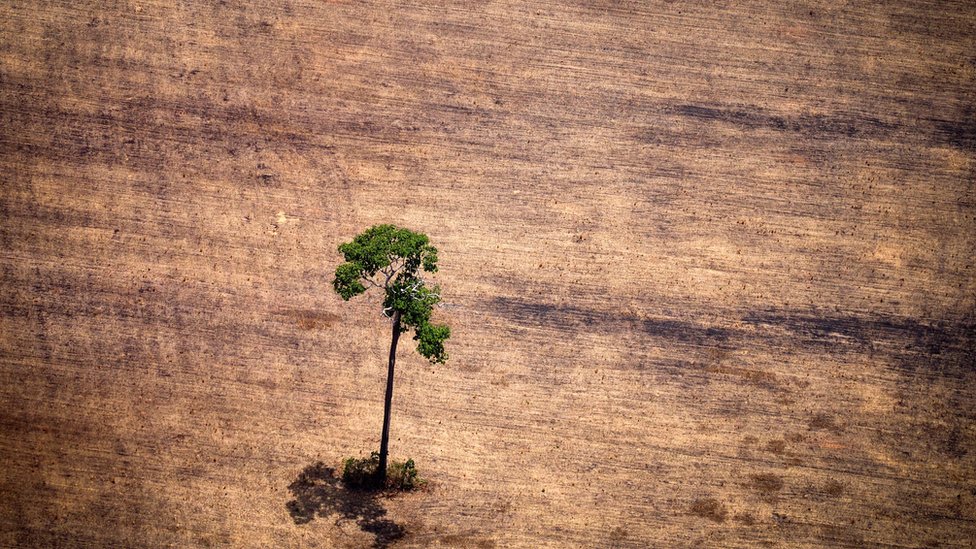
<point x="709" y="267"/>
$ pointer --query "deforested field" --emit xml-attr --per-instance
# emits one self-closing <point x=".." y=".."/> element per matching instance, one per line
<point x="709" y="268"/>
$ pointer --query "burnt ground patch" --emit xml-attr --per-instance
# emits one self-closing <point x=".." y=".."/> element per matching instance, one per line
<point x="318" y="492"/>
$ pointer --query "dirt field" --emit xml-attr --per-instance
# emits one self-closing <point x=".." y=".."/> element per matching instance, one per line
<point x="709" y="268"/>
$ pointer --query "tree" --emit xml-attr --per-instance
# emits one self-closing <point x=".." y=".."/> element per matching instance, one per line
<point x="392" y="259"/>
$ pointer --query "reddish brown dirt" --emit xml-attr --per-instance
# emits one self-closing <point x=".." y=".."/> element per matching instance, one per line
<point x="709" y="267"/>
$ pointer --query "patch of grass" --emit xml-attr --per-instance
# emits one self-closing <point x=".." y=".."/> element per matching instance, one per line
<point x="709" y="508"/>
<point x="833" y="488"/>
<point x="363" y="474"/>
<point x="767" y="483"/>
<point x="459" y="540"/>
<point x="776" y="446"/>
<point x="825" y="422"/>
<point x="755" y="377"/>
<point x="745" y="518"/>
<point x="795" y="437"/>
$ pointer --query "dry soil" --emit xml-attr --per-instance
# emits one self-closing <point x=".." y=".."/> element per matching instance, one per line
<point x="709" y="268"/>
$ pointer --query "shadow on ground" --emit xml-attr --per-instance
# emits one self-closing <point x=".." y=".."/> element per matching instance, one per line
<point x="319" y="492"/>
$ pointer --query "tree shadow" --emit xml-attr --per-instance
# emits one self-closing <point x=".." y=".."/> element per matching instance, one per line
<point x="319" y="492"/>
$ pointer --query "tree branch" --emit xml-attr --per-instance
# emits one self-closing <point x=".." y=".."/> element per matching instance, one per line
<point x="393" y="270"/>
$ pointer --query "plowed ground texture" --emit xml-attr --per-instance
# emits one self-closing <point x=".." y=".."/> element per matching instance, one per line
<point x="708" y="267"/>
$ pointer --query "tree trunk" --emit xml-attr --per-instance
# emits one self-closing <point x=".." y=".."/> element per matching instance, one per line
<point x="385" y="440"/>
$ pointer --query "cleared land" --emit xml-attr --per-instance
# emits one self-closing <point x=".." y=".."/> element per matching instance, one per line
<point x="709" y="267"/>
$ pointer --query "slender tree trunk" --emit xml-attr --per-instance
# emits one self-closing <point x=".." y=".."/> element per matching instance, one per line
<point x="385" y="440"/>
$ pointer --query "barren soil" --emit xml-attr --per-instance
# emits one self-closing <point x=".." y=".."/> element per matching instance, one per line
<point x="709" y="268"/>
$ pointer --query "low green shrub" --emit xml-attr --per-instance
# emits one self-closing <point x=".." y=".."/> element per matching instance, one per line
<point x="402" y="476"/>
<point x="363" y="474"/>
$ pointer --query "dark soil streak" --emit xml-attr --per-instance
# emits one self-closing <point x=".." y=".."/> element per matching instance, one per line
<point x="810" y="125"/>
<point x="958" y="133"/>
<point x="569" y="318"/>
<point x="942" y="343"/>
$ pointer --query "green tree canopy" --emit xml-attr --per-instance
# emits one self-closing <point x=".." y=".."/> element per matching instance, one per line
<point x="392" y="259"/>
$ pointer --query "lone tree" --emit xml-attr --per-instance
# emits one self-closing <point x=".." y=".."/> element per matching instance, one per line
<point x="392" y="258"/>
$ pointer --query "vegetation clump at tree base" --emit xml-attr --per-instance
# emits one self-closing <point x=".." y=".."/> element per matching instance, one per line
<point x="363" y="474"/>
